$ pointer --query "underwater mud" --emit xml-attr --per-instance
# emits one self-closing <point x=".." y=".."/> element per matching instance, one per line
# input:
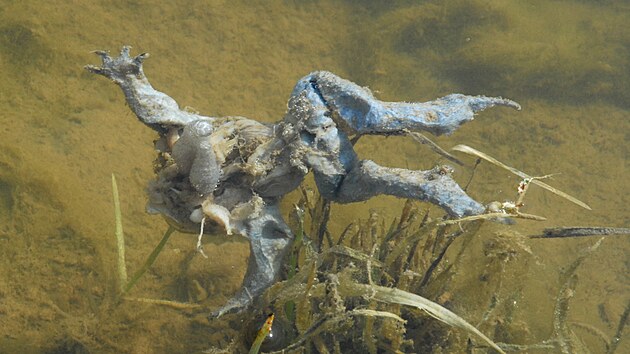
<point x="65" y="132"/>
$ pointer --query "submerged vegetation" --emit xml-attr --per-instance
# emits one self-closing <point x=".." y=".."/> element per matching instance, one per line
<point x="370" y="288"/>
<point x="384" y="286"/>
<point x="359" y="290"/>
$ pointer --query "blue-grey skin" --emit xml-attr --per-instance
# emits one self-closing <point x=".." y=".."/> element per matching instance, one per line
<point x="246" y="167"/>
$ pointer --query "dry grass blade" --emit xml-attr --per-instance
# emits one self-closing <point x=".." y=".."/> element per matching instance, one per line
<point x="168" y="303"/>
<point x="375" y="313"/>
<point x="471" y="151"/>
<point x="120" y="237"/>
<point x="420" y="138"/>
<point x="397" y="296"/>
<point x="327" y="323"/>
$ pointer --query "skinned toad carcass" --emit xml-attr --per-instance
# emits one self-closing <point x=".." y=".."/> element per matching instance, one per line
<point x="231" y="172"/>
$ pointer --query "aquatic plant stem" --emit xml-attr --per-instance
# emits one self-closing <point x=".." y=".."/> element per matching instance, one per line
<point x="147" y="264"/>
<point x="120" y="237"/>
<point x="298" y="212"/>
<point x="263" y="332"/>
<point x="622" y="323"/>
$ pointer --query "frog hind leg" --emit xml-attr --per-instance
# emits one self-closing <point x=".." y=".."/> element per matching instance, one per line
<point x="270" y="239"/>
<point x="362" y="113"/>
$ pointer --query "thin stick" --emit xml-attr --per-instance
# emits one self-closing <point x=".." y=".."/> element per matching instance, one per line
<point x="558" y="232"/>
<point x="517" y="215"/>
<point x="472" y="174"/>
<point x="120" y="238"/>
<point x="420" y="138"/>
<point x="468" y="150"/>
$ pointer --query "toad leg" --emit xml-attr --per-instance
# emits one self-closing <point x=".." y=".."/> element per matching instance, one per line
<point x="269" y="241"/>
<point x="153" y="108"/>
<point x="326" y="109"/>
<point x="361" y="113"/>
<point x="367" y="179"/>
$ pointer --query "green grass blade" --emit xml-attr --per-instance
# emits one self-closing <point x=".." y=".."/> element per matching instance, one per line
<point x="150" y="260"/>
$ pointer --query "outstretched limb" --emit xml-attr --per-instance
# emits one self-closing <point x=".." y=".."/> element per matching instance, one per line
<point x="326" y="109"/>
<point x="269" y="241"/>
<point x="360" y="113"/>
<point x="154" y="108"/>
<point x="367" y="179"/>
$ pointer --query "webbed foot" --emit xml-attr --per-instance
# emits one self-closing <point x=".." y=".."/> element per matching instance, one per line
<point x="154" y="108"/>
<point x="116" y="69"/>
<point x="239" y="302"/>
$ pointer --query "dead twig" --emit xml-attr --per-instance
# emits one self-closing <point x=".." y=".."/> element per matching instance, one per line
<point x="560" y="232"/>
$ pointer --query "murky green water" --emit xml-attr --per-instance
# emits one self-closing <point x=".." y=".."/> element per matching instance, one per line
<point x="65" y="131"/>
